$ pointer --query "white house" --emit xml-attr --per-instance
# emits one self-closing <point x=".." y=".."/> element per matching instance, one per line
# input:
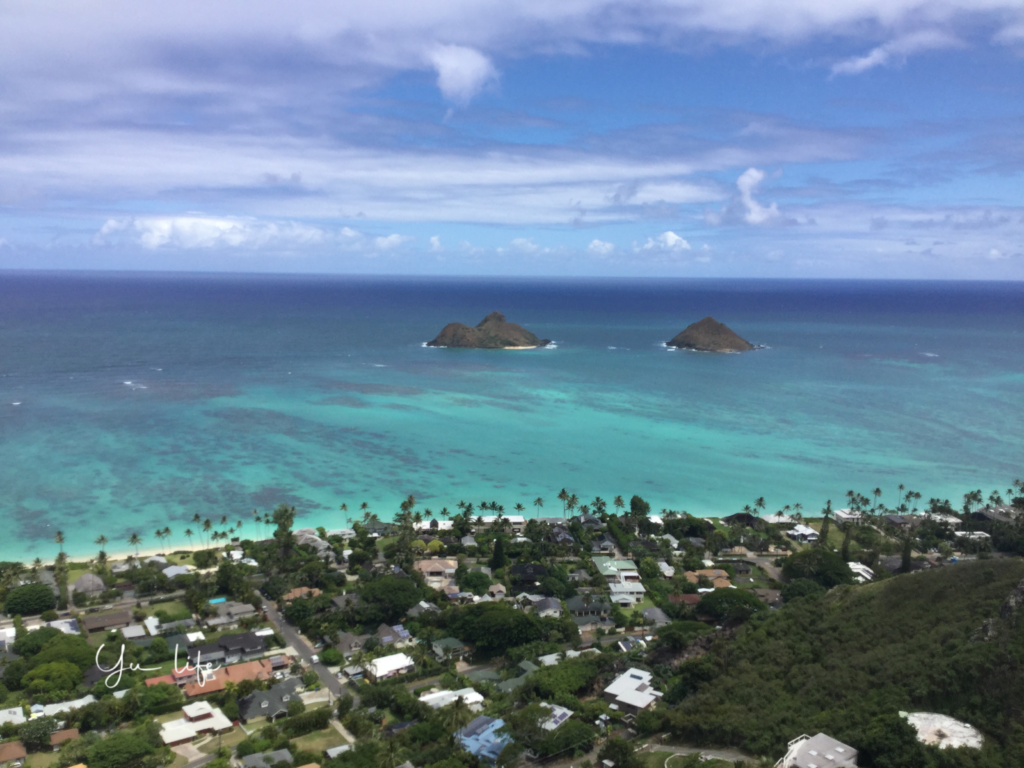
<point x="439" y="699"/>
<point x="848" y="516"/>
<point x="389" y="666"/>
<point x="803" y="533"/>
<point x="861" y="572"/>
<point x="666" y="570"/>
<point x="631" y="691"/>
<point x="819" y="751"/>
<point x="627" y="593"/>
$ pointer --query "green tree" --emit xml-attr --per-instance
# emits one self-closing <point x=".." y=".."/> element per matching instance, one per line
<point x="638" y="507"/>
<point x="733" y="604"/>
<point x="620" y="752"/>
<point x="35" y="734"/>
<point x="53" y="677"/>
<point x="122" y="749"/>
<point x="29" y="600"/>
<point x="821" y="565"/>
<point x="499" y="559"/>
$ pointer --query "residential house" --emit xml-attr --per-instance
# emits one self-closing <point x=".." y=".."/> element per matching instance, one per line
<point x="473" y="700"/>
<point x="655" y="617"/>
<point x="627" y="644"/>
<point x="588" y="605"/>
<point x="742" y="518"/>
<point x="779" y="519"/>
<point x="107" y="621"/>
<point x="216" y="680"/>
<point x="627" y="593"/>
<point x="684" y="599"/>
<point x="579" y="577"/>
<point x="348" y="644"/>
<point x="950" y="521"/>
<point x="448" y="648"/>
<point x="350" y="600"/>
<point x="666" y="570"/>
<point x="199" y="718"/>
<point x="1004" y="514"/>
<point x="602" y="543"/>
<point x="228" y="649"/>
<point x="549" y="607"/>
<point x="388" y="666"/>
<point x="697" y="542"/>
<point x="861" y="572"/>
<point x="819" y="751"/>
<point x="590" y="522"/>
<point x="396" y="636"/>
<point x="437" y="572"/>
<point x="229" y="614"/>
<point x="560" y="535"/>
<point x="527" y="574"/>
<point x="271" y="703"/>
<point x="468" y="541"/>
<point x="481" y="738"/>
<point x="422" y="607"/>
<point x="497" y="591"/>
<point x="803" y="533"/>
<point x="900" y="522"/>
<point x="53" y="710"/>
<point x="88" y="584"/>
<point x="617" y="570"/>
<point x="300" y="592"/>
<point x="848" y="516"/>
<point x="266" y="759"/>
<point x="12" y="754"/>
<point x="133" y="632"/>
<point x="770" y="597"/>
<point x="14" y="716"/>
<point x="173" y="571"/>
<point x="632" y="691"/>
<point x="672" y="540"/>
<point x="558" y="716"/>
<point x="514" y="522"/>
<point x="57" y="738"/>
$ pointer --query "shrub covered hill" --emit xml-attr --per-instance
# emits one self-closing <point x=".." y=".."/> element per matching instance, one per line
<point x="709" y="335"/>
<point x="948" y="640"/>
<point x="493" y="332"/>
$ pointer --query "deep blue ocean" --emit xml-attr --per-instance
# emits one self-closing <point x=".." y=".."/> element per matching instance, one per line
<point x="144" y="399"/>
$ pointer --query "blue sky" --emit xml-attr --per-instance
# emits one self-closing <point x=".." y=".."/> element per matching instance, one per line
<point x="855" y="138"/>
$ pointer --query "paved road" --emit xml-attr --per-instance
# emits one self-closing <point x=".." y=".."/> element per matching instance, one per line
<point x="296" y="641"/>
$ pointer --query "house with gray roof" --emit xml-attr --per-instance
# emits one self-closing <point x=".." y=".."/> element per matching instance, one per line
<point x="588" y="605"/>
<point x="89" y="584"/>
<point x="549" y="607"/>
<point x="272" y="703"/>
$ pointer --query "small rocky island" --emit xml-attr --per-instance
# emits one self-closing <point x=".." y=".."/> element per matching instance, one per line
<point x="493" y="332"/>
<point x="709" y="335"/>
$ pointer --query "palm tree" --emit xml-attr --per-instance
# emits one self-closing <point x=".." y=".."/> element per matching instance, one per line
<point x="619" y="503"/>
<point x="563" y="496"/>
<point x="135" y="540"/>
<point x="572" y="502"/>
<point x="539" y="504"/>
<point x="101" y="541"/>
<point x="519" y="508"/>
<point x="392" y="755"/>
<point x="59" y="538"/>
<point x="759" y="505"/>
<point x="456" y="716"/>
<point x="207" y="526"/>
<point x="159" y="533"/>
<point x="101" y="560"/>
<point x="900" y="488"/>
<point x="445" y="513"/>
<point x="189" y="535"/>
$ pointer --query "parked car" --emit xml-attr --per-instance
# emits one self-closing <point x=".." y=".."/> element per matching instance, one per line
<point x="315" y="659"/>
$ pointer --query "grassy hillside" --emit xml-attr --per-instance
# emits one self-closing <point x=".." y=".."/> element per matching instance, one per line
<point x="836" y="663"/>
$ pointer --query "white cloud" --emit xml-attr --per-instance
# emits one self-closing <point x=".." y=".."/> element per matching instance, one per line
<point x="461" y="72"/>
<point x="600" y="247"/>
<point x="756" y="213"/>
<point x="435" y="244"/>
<point x="525" y="245"/>
<point x="666" y="241"/>
<point x="896" y="51"/>
<point x="197" y="231"/>
<point x="390" y="242"/>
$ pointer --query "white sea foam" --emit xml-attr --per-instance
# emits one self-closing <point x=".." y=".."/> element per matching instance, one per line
<point x="612" y="347"/>
<point x="379" y="365"/>
<point x="15" y="403"/>
<point x="929" y="354"/>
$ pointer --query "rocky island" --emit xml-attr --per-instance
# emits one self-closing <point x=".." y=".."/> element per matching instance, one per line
<point x="709" y="335"/>
<point x="493" y="332"/>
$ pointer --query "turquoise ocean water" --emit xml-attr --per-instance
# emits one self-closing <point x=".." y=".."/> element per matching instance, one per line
<point x="145" y="399"/>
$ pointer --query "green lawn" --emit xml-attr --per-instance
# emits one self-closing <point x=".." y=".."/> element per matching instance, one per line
<point x="318" y="741"/>
<point x="173" y="607"/>
<point x="230" y="739"/>
<point x="42" y="759"/>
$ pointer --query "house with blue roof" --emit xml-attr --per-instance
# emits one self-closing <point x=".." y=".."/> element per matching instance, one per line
<point x="481" y="738"/>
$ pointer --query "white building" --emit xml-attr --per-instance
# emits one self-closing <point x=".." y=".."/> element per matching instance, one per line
<point x="627" y="592"/>
<point x="439" y="699"/>
<point x="803" y="533"/>
<point x="861" y="572"/>
<point x="389" y="666"/>
<point x="851" y="516"/>
<point x="631" y="691"/>
<point x="819" y="751"/>
<point x="200" y="717"/>
<point x="666" y="570"/>
<point x="558" y="716"/>
<point x="953" y="522"/>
